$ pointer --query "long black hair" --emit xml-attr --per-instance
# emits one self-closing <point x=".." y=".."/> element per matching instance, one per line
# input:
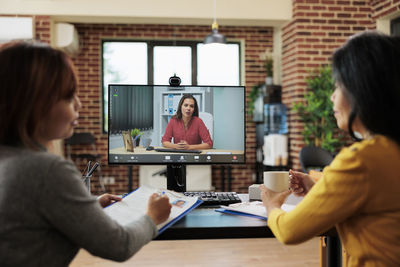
<point x="178" y="114"/>
<point x="368" y="68"/>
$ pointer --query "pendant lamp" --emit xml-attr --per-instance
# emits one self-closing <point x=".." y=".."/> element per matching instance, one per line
<point x="215" y="37"/>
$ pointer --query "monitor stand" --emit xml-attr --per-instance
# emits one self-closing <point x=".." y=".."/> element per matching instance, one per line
<point x="176" y="177"/>
<point x="176" y="173"/>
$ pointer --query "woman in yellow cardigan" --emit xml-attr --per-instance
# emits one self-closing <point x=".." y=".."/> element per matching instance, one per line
<point x="359" y="193"/>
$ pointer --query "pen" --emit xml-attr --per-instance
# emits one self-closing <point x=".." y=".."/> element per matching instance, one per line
<point x="88" y="168"/>
<point x="92" y="169"/>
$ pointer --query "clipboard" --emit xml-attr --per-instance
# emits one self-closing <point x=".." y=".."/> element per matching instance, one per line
<point x="134" y="205"/>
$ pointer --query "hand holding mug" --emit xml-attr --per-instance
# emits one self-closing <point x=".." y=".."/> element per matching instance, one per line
<point x="300" y="183"/>
<point x="271" y="199"/>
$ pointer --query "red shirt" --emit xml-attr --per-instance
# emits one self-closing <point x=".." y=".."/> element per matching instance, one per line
<point x="195" y="134"/>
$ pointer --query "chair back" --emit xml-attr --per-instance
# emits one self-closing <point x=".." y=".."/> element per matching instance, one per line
<point x="314" y="158"/>
<point x="208" y="120"/>
<point x="81" y="139"/>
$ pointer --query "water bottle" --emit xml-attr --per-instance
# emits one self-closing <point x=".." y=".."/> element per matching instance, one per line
<point x="275" y="119"/>
<point x="258" y="108"/>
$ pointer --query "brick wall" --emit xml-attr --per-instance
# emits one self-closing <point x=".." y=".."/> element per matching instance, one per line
<point x="88" y="63"/>
<point x="318" y="27"/>
<point x="43" y="28"/>
<point x="383" y="8"/>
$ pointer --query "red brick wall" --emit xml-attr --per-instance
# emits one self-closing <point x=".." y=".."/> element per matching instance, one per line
<point x="42" y="28"/>
<point x="381" y="8"/>
<point x="318" y="27"/>
<point x="88" y="62"/>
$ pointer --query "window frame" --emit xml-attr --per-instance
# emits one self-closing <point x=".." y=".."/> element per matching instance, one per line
<point x="395" y="25"/>
<point x="150" y="61"/>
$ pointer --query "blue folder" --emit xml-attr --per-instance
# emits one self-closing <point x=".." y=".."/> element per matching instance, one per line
<point x="222" y="210"/>
<point x="195" y="205"/>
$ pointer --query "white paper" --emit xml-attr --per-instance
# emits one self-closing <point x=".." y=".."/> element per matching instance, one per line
<point x="134" y="205"/>
<point x="255" y="208"/>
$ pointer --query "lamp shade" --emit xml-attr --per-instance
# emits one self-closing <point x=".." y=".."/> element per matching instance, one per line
<point x="215" y="37"/>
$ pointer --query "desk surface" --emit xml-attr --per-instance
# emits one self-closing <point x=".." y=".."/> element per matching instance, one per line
<point x="142" y="150"/>
<point x="206" y="223"/>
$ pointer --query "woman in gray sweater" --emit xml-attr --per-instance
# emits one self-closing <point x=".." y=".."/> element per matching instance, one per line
<point x="46" y="213"/>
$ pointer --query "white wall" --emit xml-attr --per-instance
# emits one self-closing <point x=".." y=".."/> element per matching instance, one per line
<point x="229" y="12"/>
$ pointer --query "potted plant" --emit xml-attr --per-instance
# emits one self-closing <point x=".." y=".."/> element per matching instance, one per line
<point x="136" y="133"/>
<point x="269" y="69"/>
<point x="320" y="127"/>
<point x="255" y="93"/>
<point x="269" y="66"/>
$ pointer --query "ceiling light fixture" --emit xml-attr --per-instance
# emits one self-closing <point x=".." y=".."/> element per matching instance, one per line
<point x="215" y="37"/>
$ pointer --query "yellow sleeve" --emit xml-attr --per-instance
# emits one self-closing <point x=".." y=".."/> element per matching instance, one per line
<point x="339" y="194"/>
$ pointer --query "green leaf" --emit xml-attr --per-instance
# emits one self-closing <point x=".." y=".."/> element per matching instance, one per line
<point x="316" y="111"/>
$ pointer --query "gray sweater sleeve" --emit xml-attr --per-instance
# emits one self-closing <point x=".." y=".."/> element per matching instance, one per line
<point x="65" y="202"/>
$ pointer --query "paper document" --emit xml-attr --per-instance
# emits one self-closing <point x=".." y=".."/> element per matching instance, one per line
<point x="253" y="208"/>
<point x="134" y="205"/>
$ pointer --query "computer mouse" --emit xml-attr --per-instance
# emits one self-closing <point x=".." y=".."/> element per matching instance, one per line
<point x="149" y="148"/>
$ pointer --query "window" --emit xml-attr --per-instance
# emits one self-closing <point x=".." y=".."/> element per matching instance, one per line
<point x="153" y="62"/>
<point x="395" y="27"/>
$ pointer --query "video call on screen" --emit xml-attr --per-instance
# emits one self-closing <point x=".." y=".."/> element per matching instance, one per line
<point x="149" y="109"/>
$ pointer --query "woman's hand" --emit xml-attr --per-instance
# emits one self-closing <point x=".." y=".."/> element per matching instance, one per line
<point x="107" y="199"/>
<point x="158" y="208"/>
<point x="300" y="183"/>
<point x="183" y="145"/>
<point x="271" y="199"/>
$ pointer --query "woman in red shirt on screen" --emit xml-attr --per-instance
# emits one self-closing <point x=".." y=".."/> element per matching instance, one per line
<point x="187" y="129"/>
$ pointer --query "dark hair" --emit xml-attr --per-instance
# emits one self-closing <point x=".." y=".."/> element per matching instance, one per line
<point x="178" y="114"/>
<point x="368" y="68"/>
<point x="33" y="77"/>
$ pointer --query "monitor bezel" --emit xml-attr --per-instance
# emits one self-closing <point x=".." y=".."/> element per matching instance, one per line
<point x="241" y="162"/>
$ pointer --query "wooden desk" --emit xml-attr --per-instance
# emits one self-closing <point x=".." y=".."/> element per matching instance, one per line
<point x="244" y="252"/>
<point x="206" y="223"/>
<point x="216" y="244"/>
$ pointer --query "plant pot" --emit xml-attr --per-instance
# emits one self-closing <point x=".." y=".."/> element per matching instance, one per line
<point x="137" y="142"/>
<point x="268" y="81"/>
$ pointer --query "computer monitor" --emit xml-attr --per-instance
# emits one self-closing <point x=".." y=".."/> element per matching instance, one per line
<point x="150" y="108"/>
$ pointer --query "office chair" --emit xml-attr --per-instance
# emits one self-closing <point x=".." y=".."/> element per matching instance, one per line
<point x="314" y="158"/>
<point x="84" y="139"/>
<point x="208" y="120"/>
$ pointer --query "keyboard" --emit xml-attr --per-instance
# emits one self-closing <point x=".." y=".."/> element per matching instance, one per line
<point x="215" y="198"/>
<point x="177" y="150"/>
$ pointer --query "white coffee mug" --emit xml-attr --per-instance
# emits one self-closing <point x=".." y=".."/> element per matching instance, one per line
<point x="277" y="181"/>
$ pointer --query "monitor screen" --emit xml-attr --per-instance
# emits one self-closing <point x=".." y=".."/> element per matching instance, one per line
<point x="146" y="122"/>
